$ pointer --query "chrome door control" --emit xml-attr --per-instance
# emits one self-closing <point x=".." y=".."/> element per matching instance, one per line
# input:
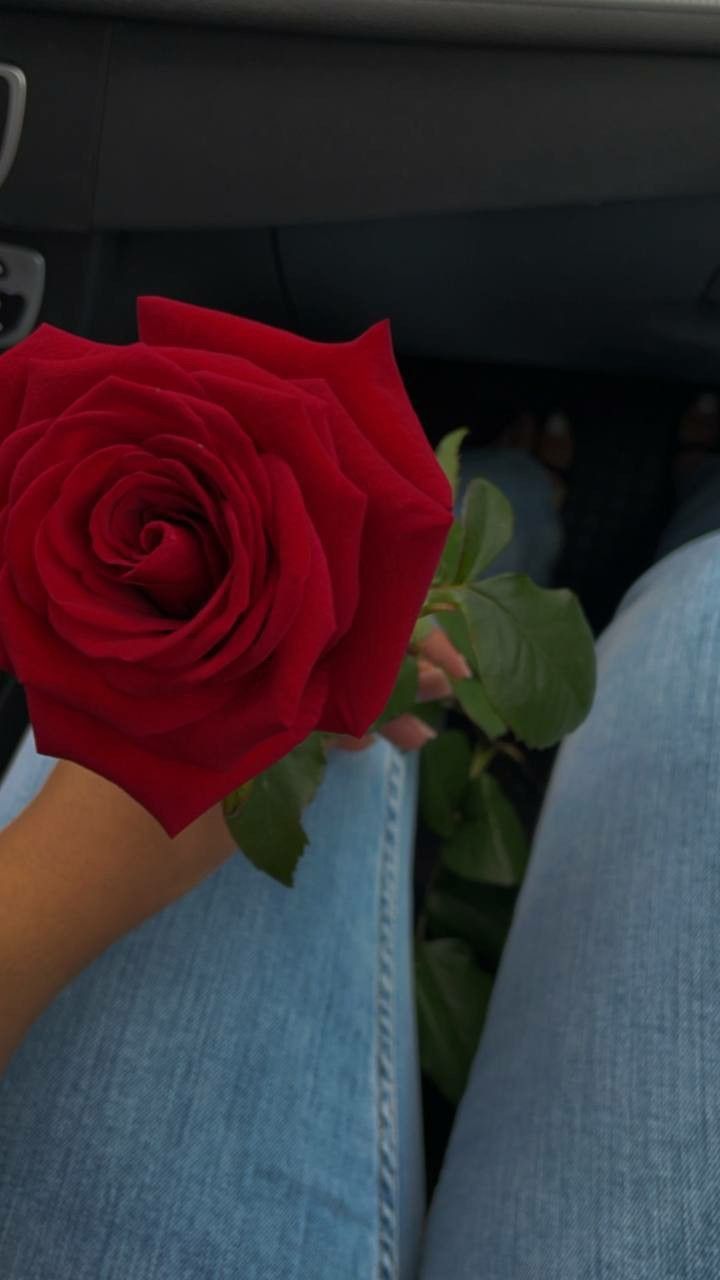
<point x="22" y="286"/>
<point x="16" y="86"/>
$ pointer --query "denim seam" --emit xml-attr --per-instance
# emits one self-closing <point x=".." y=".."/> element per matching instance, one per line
<point x="386" y="1029"/>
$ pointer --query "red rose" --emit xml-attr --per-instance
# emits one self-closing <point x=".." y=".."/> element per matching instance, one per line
<point x="212" y="542"/>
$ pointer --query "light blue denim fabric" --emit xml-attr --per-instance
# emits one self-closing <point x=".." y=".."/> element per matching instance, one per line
<point x="587" y="1146"/>
<point x="232" y="1089"/>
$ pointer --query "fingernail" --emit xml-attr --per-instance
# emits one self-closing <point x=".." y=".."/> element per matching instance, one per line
<point x="464" y="667"/>
<point x="427" y="733"/>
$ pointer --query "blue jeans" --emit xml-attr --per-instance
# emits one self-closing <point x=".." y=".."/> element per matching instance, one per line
<point x="232" y="1089"/>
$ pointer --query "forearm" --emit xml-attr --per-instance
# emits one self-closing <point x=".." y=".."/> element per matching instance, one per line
<point x="80" y="867"/>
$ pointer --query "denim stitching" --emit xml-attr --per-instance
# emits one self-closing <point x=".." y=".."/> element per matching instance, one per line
<point x="386" y="1073"/>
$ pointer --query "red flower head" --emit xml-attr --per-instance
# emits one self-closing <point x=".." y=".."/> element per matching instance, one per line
<point x="212" y="542"/>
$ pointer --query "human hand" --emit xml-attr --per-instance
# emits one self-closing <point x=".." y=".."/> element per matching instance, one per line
<point x="438" y="662"/>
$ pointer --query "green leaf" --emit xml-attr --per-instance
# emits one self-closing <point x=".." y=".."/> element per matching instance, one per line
<point x="452" y="999"/>
<point x="404" y="694"/>
<point x="480" y="914"/>
<point x="448" y="568"/>
<point x="264" y="814"/>
<point x="482" y="759"/>
<point x="488" y="520"/>
<point x="423" y="628"/>
<point x="492" y="845"/>
<point x="456" y="628"/>
<point x="444" y="774"/>
<point x="448" y="454"/>
<point x="477" y="707"/>
<point x="534" y="653"/>
<point x="433" y="713"/>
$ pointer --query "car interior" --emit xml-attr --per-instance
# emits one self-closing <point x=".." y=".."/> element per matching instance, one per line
<point x="529" y="190"/>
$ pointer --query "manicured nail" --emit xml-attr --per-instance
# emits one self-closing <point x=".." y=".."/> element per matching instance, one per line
<point x="464" y="667"/>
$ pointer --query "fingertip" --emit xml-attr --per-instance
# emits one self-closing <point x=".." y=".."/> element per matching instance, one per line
<point x="409" y="733"/>
<point x="464" y="667"/>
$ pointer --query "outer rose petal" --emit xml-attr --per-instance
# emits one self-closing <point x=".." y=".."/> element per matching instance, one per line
<point x="363" y="374"/>
<point x="49" y="343"/>
<point x="44" y="343"/>
<point x="55" y="384"/>
<point x="173" y="792"/>
<point x="404" y="534"/>
<point x="5" y="663"/>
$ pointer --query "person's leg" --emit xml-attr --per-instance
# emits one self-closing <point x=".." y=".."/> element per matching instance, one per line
<point x="586" y="1145"/>
<point x="232" y="1089"/>
<point x="538" y="535"/>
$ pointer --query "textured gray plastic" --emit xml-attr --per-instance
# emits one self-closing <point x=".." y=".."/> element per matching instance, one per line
<point x="22" y="273"/>
<point x="16" y="84"/>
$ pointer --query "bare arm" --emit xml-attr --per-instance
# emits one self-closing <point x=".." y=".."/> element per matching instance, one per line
<point x="79" y="867"/>
<point x="83" y="864"/>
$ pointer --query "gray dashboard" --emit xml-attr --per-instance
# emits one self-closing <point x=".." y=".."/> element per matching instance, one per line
<point x="134" y="124"/>
<point x="649" y="25"/>
<point x="508" y="198"/>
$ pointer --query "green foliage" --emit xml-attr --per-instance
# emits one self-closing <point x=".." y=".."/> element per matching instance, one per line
<point x="264" y="814"/>
<point x="452" y="998"/>
<point x="480" y="914"/>
<point x="491" y="845"/>
<point x="475" y="703"/>
<point x="404" y="694"/>
<point x="487" y="518"/>
<point x="485" y="527"/>
<point x="533" y="661"/>
<point x="534" y="654"/>
<point x="422" y="629"/>
<point x="456" y="628"/>
<point x="433" y="713"/>
<point x="445" y="773"/>
<point x="448" y="454"/>
<point x="448" y="570"/>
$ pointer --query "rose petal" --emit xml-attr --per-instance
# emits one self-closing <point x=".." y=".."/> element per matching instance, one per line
<point x="175" y="793"/>
<point x="15" y="365"/>
<point x="281" y="423"/>
<point x="5" y="663"/>
<point x="362" y="373"/>
<point x="115" y="412"/>
<point x="294" y="659"/>
<point x="199" y="638"/>
<point x="23" y="518"/>
<point x="56" y="383"/>
<point x="13" y="450"/>
<point x="404" y="534"/>
<point x="42" y="659"/>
